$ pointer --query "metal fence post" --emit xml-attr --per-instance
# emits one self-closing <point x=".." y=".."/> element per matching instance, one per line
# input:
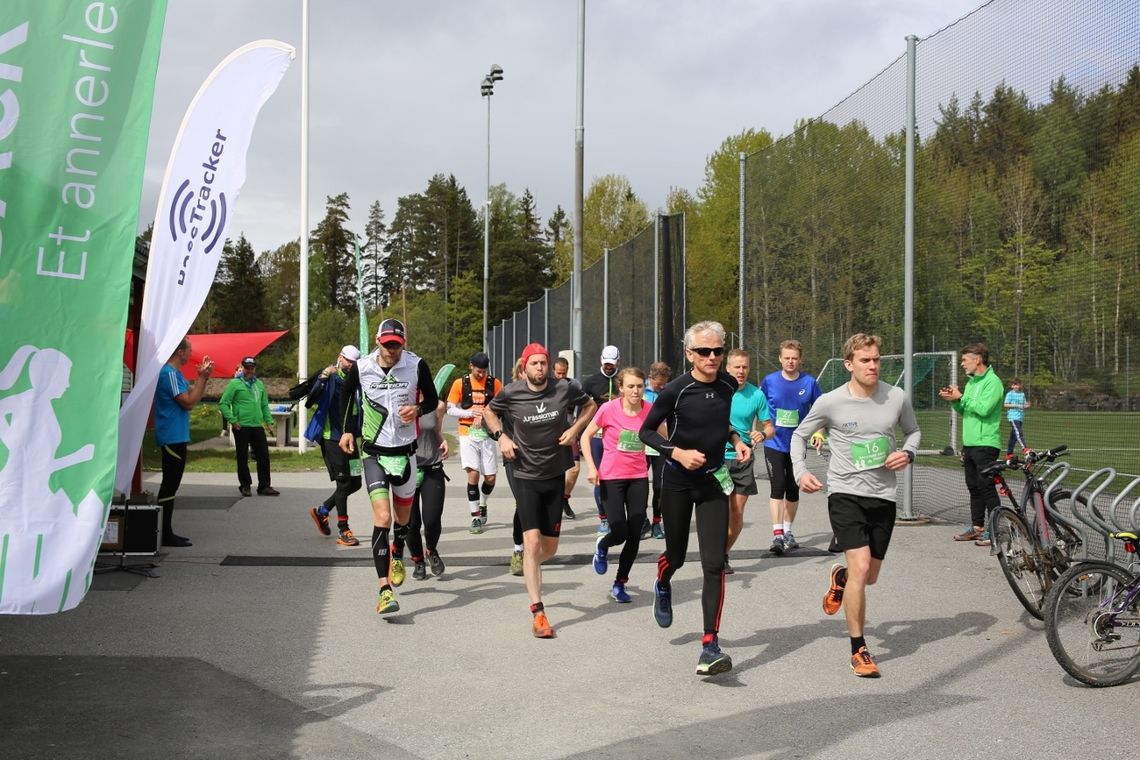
<point x="740" y="263"/>
<point x="606" y="297"/>
<point x="657" y="287"/>
<point x="908" y="267"/>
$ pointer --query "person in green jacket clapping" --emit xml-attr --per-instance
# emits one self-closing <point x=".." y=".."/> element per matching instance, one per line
<point x="979" y="403"/>
<point x="245" y="405"/>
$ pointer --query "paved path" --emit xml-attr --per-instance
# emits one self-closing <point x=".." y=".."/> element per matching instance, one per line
<point x="261" y="641"/>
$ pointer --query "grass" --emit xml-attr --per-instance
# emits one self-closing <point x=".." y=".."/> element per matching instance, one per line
<point x="1095" y="439"/>
<point x="206" y="423"/>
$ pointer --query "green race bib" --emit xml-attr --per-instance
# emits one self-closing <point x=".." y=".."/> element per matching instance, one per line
<point x="393" y="465"/>
<point x="628" y="441"/>
<point x="789" y="418"/>
<point x="871" y="454"/>
<point x="478" y="433"/>
<point x="354" y="467"/>
<point x="724" y="479"/>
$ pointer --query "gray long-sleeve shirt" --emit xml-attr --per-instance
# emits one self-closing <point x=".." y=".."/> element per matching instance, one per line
<point x="861" y="433"/>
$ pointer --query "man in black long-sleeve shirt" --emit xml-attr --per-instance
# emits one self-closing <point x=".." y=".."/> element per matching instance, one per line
<point x="695" y="409"/>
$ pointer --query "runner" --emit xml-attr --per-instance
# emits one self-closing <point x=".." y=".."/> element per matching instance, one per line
<point x="562" y="372"/>
<point x="602" y="387"/>
<point x="749" y="407"/>
<point x="695" y="409"/>
<point x="659" y="373"/>
<point x="427" y="503"/>
<point x="790" y="394"/>
<point x="861" y="415"/>
<point x="622" y="475"/>
<point x="540" y="443"/>
<point x="509" y="468"/>
<point x="325" y="431"/>
<point x="390" y="379"/>
<point x="468" y="397"/>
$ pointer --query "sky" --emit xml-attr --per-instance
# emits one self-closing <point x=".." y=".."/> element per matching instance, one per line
<point x="394" y="91"/>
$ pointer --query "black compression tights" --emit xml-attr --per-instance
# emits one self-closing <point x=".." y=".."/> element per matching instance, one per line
<point x="680" y="495"/>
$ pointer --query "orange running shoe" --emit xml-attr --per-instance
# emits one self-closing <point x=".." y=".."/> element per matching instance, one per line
<point x="864" y="664"/>
<point x="833" y="599"/>
<point x="542" y="629"/>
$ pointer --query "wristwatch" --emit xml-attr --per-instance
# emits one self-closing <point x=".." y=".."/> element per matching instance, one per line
<point x="495" y="435"/>
<point x="909" y="455"/>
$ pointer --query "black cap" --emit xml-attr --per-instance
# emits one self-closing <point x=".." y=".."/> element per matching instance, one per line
<point x="480" y="360"/>
<point x="249" y="361"/>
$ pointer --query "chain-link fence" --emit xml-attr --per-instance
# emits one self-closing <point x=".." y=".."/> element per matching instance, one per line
<point x="1027" y="226"/>
<point x="632" y="298"/>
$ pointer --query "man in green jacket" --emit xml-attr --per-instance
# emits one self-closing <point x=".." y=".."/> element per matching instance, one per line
<point x="245" y="405"/>
<point x="979" y="404"/>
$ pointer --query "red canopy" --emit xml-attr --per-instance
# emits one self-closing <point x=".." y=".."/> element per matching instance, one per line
<point x="227" y="350"/>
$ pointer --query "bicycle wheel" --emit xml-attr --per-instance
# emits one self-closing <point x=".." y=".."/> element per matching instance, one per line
<point x="1019" y="560"/>
<point x="1092" y="626"/>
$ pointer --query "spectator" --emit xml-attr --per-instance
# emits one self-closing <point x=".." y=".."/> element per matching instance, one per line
<point x="245" y="405"/>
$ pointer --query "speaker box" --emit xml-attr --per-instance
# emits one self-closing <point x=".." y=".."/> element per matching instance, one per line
<point x="133" y="530"/>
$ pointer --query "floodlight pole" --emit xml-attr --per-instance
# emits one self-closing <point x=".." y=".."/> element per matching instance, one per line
<point x="487" y="89"/>
<point x="908" y="267"/>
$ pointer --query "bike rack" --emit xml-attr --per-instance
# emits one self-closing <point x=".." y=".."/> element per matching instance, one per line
<point x="1120" y="500"/>
<point x="1093" y="518"/>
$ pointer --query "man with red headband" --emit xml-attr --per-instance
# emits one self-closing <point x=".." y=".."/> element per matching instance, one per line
<point x="536" y="407"/>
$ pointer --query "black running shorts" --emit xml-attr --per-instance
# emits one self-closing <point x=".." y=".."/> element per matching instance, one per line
<point x="858" y="521"/>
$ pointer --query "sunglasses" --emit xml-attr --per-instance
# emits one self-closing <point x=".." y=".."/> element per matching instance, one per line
<point x="706" y="351"/>
<point x="392" y="345"/>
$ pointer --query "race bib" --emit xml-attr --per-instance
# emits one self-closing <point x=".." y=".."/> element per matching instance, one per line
<point x="787" y="418"/>
<point x="723" y="479"/>
<point x="478" y="433"/>
<point x="628" y="441"/>
<point x="393" y="465"/>
<point x="354" y="467"/>
<point x="871" y="454"/>
<point x="652" y="452"/>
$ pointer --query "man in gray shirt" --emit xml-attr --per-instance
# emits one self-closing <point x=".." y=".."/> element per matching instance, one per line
<point x="539" y="445"/>
<point x="860" y="417"/>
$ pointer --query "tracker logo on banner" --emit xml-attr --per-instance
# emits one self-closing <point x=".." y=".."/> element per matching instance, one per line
<point x="76" y="93"/>
<point x="203" y="179"/>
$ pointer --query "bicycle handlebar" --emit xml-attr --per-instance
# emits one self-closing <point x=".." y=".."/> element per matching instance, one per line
<point x="1031" y="459"/>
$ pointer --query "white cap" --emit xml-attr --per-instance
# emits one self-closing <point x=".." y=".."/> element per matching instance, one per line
<point x="352" y="353"/>
<point x="611" y="355"/>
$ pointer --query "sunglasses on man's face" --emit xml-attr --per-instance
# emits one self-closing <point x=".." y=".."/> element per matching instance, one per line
<point x="392" y="346"/>
<point x="706" y="351"/>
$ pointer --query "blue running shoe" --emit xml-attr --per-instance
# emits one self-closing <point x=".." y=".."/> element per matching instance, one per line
<point x="712" y="660"/>
<point x="618" y="594"/>
<point x="601" y="556"/>
<point x="662" y="605"/>
<point x="604" y="527"/>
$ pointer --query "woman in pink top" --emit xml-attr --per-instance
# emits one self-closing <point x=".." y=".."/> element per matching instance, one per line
<point x="623" y="476"/>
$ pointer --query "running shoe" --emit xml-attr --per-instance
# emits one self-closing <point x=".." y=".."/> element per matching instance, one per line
<point x="790" y="541"/>
<point x="727" y="567"/>
<point x="436" y="562"/>
<point x="567" y="512"/>
<point x="604" y="527"/>
<point x="397" y="573"/>
<point x="516" y="563"/>
<point x="658" y="530"/>
<point x="321" y="518"/>
<point x="483" y="514"/>
<point x="646" y="530"/>
<point x="984" y="539"/>
<point x="476" y="526"/>
<point x="712" y="660"/>
<point x="833" y="599"/>
<point x="662" y="605"/>
<point x="541" y="627"/>
<point x="601" y="556"/>
<point x="419" y="572"/>
<point x="387" y="602"/>
<point x="777" y="546"/>
<point x="344" y="537"/>
<point x="864" y="664"/>
<point x="619" y="595"/>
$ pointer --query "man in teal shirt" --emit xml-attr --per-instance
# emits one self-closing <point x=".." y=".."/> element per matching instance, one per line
<point x="979" y="404"/>
<point x="245" y="405"/>
<point x="749" y="410"/>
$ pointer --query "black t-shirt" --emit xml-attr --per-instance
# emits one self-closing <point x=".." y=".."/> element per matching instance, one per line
<point x="537" y="419"/>
<point x="695" y="414"/>
<point x="601" y="387"/>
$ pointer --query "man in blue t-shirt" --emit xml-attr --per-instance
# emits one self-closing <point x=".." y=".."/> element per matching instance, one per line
<point x="1016" y="402"/>
<point x="749" y="409"/>
<point x="173" y="400"/>
<point x="790" y="395"/>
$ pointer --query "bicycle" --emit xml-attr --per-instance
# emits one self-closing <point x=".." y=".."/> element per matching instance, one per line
<point x="1033" y="543"/>
<point x="1092" y="619"/>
